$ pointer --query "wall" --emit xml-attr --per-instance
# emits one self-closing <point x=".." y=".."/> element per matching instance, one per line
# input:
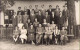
<point x="46" y="3"/>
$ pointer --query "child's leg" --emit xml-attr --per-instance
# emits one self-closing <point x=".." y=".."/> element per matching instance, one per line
<point x="22" y="40"/>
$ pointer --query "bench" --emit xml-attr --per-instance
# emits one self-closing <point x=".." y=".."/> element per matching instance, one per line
<point x="70" y="36"/>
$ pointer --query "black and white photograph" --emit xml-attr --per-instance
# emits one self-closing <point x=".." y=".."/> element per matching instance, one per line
<point x="39" y="25"/>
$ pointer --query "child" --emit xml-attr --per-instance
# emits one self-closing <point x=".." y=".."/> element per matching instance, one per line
<point x="15" y="34"/>
<point x="63" y="34"/>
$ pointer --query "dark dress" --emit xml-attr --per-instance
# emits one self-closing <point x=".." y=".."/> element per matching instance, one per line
<point x="31" y="34"/>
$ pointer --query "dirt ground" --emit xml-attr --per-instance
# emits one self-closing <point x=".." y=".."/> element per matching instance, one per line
<point x="9" y="45"/>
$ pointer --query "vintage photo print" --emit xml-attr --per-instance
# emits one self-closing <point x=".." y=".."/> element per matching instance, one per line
<point x="39" y="25"/>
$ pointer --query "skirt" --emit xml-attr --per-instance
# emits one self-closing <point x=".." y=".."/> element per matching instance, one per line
<point x="23" y="36"/>
<point x="30" y="37"/>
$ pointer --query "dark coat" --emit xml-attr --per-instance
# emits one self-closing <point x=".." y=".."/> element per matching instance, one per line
<point x="14" y="21"/>
<point x="25" y="18"/>
<point x="31" y="34"/>
<point x="56" y="16"/>
<point x="47" y="19"/>
<point x="40" y="19"/>
<point x="20" y="11"/>
<point x="32" y="18"/>
<point x="65" y="15"/>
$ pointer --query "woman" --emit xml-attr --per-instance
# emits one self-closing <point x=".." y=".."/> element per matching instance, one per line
<point x="44" y="23"/>
<point x="20" y="25"/>
<point x="15" y="34"/>
<point x="23" y="35"/>
<point x="63" y="34"/>
<point x="31" y="34"/>
<point x="36" y="23"/>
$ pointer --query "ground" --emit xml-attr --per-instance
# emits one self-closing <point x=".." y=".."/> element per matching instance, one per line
<point x="9" y="45"/>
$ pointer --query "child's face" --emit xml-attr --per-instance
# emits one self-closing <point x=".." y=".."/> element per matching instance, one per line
<point x="46" y="13"/>
<point x="30" y="6"/>
<point x="63" y="28"/>
<point x="39" y="25"/>
<point x="28" y="20"/>
<point x="42" y="6"/>
<point x="50" y="7"/>
<point x="36" y="20"/>
<point x="44" y="20"/>
<point x="52" y="22"/>
<point x="31" y="26"/>
<point x="19" y="8"/>
<point x="52" y="13"/>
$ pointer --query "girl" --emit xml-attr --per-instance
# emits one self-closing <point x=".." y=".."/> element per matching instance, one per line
<point x="23" y="35"/>
<point x="15" y="34"/>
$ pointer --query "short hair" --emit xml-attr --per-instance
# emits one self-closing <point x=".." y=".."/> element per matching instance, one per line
<point x="50" y="5"/>
<point x="19" y="7"/>
<point x="42" y="5"/>
<point x="57" y="5"/>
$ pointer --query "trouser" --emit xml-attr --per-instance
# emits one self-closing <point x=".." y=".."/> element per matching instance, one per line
<point x="38" y="38"/>
<point x="57" y="39"/>
<point x="47" y="38"/>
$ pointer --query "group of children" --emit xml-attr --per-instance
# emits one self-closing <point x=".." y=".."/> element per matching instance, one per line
<point x="40" y="26"/>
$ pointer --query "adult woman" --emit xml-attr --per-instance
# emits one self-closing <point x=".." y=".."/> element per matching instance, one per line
<point x="36" y="23"/>
<point x="31" y="33"/>
<point x="15" y="34"/>
<point x="23" y="35"/>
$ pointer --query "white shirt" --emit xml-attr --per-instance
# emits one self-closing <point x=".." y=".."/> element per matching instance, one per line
<point x="20" y="25"/>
